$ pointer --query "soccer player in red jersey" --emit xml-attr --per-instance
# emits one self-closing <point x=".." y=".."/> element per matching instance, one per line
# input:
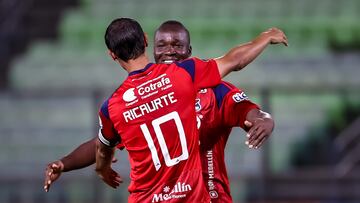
<point x="179" y="42"/>
<point x="220" y="108"/>
<point x="152" y="115"/>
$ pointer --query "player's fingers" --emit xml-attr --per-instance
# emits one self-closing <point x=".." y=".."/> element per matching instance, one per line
<point x="113" y="183"/>
<point x="247" y="123"/>
<point x="48" y="169"/>
<point x="253" y="134"/>
<point x="108" y="180"/>
<point x="48" y="173"/>
<point x="261" y="142"/>
<point x="47" y="185"/>
<point x="251" y="131"/>
<point x="261" y="136"/>
<point x="285" y="40"/>
<point x="55" y="166"/>
<point x="250" y="141"/>
<point x="54" y="176"/>
<point x="254" y="137"/>
<point x="117" y="179"/>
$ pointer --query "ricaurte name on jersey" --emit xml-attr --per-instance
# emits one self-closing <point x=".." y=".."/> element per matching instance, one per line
<point x="149" y="88"/>
<point x="149" y="107"/>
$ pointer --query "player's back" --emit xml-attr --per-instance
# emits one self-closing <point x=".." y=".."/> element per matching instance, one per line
<point x="153" y="111"/>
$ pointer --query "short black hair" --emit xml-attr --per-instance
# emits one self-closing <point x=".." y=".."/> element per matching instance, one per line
<point x="125" y="38"/>
<point x="170" y="24"/>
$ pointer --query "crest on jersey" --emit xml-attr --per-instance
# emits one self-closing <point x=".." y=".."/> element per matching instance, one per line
<point x="197" y="105"/>
<point x="239" y="97"/>
<point x="203" y="91"/>
<point x="129" y="95"/>
<point x="213" y="194"/>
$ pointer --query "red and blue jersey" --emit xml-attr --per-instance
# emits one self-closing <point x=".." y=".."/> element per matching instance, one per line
<point x="152" y="115"/>
<point x="219" y="109"/>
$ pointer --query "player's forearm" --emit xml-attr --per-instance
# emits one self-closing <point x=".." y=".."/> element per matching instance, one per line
<point x="81" y="157"/>
<point x="249" y="51"/>
<point x="104" y="156"/>
<point x="239" y="57"/>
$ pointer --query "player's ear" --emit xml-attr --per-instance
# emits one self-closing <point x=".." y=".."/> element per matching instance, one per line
<point x="190" y="51"/>
<point x="146" y="40"/>
<point x="112" y="55"/>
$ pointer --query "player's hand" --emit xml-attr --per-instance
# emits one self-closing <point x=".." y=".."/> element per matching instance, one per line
<point x="259" y="131"/>
<point x="276" y="36"/>
<point x="52" y="173"/>
<point x="110" y="177"/>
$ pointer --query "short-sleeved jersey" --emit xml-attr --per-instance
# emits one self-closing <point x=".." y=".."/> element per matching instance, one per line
<point x="219" y="109"/>
<point x="152" y="115"/>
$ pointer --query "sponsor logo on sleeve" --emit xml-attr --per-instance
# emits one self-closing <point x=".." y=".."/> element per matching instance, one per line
<point x="239" y="97"/>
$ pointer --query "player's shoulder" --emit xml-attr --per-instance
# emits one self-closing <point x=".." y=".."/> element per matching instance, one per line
<point x="223" y="90"/>
<point x="118" y="91"/>
<point x="189" y="62"/>
<point x="124" y="88"/>
<point x="192" y="60"/>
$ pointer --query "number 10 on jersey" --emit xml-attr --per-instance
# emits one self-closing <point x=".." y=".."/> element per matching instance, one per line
<point x="163" y="147"/>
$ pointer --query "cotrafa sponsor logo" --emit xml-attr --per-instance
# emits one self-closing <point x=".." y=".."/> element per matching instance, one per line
<point x="168" y="194"/>
<point x="154" y="85"/>
<point x="146" y="89"/>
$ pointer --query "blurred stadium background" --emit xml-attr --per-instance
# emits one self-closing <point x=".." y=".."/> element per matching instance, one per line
<point x="55" y="72"/>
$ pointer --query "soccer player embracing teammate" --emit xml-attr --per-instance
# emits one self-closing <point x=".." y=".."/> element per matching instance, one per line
<point x="150" y="115"/>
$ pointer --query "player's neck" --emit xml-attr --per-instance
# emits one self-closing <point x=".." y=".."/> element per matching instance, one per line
<point x="135" y="64"/>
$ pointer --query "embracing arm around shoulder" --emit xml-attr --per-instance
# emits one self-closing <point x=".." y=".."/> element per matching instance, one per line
<point x="240" y="56"/>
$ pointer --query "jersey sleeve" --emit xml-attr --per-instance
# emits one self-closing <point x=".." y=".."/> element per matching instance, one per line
<point x="234" y="105"/>
<point x="203" y="73"/>
<point x="107" y="133"/>
<point x="120" y="146"/>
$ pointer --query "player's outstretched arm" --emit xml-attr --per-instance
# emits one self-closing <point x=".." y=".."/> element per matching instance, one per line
<point x="260" y="125"/>
<point x="240" y="56"/>
<point x="104" y="156"/>
<point x="81" y="157"/>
